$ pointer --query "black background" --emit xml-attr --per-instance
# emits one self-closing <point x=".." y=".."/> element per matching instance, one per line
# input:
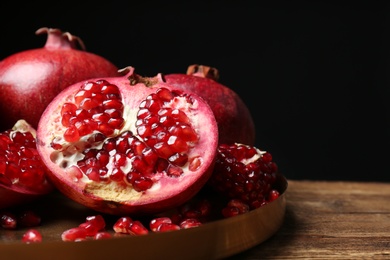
<point x="313" y="73"/>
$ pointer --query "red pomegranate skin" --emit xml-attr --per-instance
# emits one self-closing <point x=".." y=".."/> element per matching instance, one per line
<point x="235" y="122"/>
<point x="30" y="79"/>
<point x="108" y="197"/>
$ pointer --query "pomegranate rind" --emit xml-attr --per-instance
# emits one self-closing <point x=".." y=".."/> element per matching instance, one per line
<point x="12" y="198"/>
<point x="109" y="198"/>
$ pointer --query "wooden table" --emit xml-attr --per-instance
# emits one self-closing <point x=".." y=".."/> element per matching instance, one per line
<point x="330" y="220"/>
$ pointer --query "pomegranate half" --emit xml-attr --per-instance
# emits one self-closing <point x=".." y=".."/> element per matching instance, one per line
<point x="30" y="79"/>
<point x="128" y="144"/>
<point x="234" y="119"/>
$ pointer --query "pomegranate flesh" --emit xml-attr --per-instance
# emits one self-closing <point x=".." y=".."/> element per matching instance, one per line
<point x="235" y="122"/>
<point x="22" y="173"/>
<point x="128" y="144"/>
<point x="30" y="79"/>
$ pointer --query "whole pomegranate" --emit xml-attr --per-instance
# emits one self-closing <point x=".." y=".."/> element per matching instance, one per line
<point x="235" y="122"/>
<point x="128" y="144"/>
<point x="22" y="173"/>
<point x="30" y="79"/>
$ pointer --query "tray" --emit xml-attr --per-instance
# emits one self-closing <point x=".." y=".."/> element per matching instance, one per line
<point x="213" y="240"/>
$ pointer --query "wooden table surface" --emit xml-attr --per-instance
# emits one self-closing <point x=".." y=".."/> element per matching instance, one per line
<point x="330" y="220"/>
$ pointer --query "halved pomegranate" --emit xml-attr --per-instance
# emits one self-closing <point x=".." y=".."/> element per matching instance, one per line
<point x="128" y="144"/>
<point x="22" y="173"/>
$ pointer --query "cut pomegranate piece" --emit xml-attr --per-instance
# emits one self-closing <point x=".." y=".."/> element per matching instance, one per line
<point x="244" y="174"/>
<point x="129" y="144"/>
<point x="22" y="173"/>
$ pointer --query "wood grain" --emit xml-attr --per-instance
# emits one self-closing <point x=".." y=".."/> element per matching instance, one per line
<point x="331" y="220"/>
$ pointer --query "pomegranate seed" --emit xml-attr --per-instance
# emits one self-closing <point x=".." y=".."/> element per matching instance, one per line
<point x="164" y="94"/>
<point x="90" y="229"/>
<point x="109" y="89"/>
<point x="97" y="220"/>
<point x="174" y="171"/>
<point x="122" y="225"/>
<point x="32" y="236"/>
<point x="195" y="163"/>
<point x="243" y="208"/>
<point x="113" y="104"/>
<point x="93" y="224"/>
<point x="166" y="227"/>
<point x="8" y="220"/>
<point x="102" y="235"/>
<point x="137" y="228"/>
<point x="68" y="108"/>
<point x="88" y="103"/>
<point x="142" y="183"/>
<point x="74" y="234"/>
<point x="125" y="225"/>
<point x="71" y="134"/>
<point x="190" y="223"/>
<point x="228" y="212"/>
<point x="273" y="195"/>
<point x="156" y="222"/>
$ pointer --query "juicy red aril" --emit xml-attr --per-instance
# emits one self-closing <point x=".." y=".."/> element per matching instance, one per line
<point x="102" y="235"/>
<point x="93" y="225"/>
<point x="190" y="223"/>
<point x="156" y="222"/>
<point x="235" y="207"/>
<point x="125" y="225"/>
<point x="74" y="234"/>
<point x="137" y="228"/>
<point x="8" y="220"/>
<point x="32" y="236"/>
<point x="97" y="106"/>
<point x="273" y="195"/>
<point x="122" y="225"/>
<point x="19" y="161"/>
<point x="97" y="220"/>
<point x="166" y="227"/>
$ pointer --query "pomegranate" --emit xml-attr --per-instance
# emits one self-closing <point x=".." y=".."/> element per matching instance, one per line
<point x="22" y="173"/>
<point x="235" y="122"/>
<point x="32" y="236"/>
<point x="30" y="79"/>
<point x="128" y="144"/>
<point x="244" y="174"/>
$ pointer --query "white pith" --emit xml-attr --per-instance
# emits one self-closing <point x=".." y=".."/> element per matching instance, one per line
<point x="254" y="158"/>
